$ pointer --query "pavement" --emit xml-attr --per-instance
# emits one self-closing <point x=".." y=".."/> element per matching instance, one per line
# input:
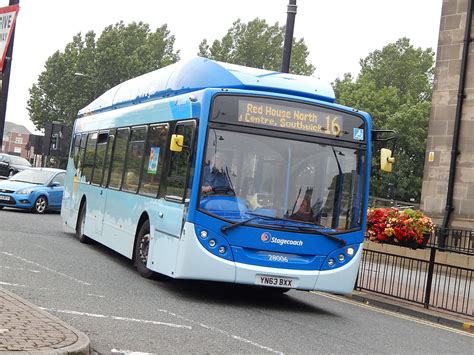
<point x="26" y="329"/>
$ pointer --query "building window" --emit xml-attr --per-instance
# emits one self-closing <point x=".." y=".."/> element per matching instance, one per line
<point x="18" y="140"/>
<point x="17" y="149"/>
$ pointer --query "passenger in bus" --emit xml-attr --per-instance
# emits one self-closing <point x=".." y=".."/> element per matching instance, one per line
<point x="216" y="176"/>
<point x="304" y="212"/>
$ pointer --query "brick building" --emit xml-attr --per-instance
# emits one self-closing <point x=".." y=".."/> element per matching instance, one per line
<point x="15" y="138"/>
<point x="448" y="184"/>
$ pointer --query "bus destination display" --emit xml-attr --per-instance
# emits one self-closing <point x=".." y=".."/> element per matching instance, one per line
<point x="286" y="117"/>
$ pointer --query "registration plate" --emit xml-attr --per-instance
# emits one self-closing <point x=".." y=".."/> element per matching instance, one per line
<point x="4" y="198"/>
<point x="275" y="281"/>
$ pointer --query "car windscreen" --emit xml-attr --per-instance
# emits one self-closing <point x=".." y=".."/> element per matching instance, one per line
<point x="34" y="176"/>
<point x="19" y="161"/>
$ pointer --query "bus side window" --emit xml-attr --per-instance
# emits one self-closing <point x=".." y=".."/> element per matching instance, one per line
<point x="134" y="159"/>
<point x="153" y="161"/>
<point x="76" y="149"/>
<point x="108" y="157"/>
<point x="118" y="158"/>
<point x="80" y="155"/>
<point x="89" y="157"/>
<point x="99" y="158"/>
<point x="179" y="166"/>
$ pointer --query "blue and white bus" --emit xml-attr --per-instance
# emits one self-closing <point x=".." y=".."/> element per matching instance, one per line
<point x="287" y="209"/>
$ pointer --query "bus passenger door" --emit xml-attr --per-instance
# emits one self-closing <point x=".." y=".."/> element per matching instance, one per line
<point x="172" y="203"/>
<point x="100" y="178"/>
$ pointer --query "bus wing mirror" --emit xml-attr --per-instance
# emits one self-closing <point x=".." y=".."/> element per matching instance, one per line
<point x="386" y="160"/>
<point x="176" y="144"/>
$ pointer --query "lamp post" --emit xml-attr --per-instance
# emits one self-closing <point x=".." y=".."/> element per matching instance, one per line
<point x="290" y="25"/>
<point x="91" y="78"/>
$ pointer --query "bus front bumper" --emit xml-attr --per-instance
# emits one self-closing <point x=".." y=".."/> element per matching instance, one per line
<point x="195" y="262"/>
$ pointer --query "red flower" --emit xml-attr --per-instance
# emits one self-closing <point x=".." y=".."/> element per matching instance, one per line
<point x="390" y="224"/>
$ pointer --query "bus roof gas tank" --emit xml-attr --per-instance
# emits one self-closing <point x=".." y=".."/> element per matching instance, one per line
<point x="198" y="73"/>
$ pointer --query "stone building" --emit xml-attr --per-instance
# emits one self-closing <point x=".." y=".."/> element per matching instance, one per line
<point x="452" y="122"/>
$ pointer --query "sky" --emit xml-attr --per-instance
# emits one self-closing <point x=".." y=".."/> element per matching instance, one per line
<point x="338" y="33"/>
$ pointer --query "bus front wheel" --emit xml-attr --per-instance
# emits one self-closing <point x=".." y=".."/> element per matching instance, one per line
<point x="141" y="251"/>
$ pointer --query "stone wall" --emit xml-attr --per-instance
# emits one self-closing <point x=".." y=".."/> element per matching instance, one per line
<point x="441" y="127"/>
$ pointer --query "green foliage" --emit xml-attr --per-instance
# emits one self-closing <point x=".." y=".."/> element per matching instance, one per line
<point x="259" y="45"/>
<point x="395" y="87"/>
<point x="120" y="53"/>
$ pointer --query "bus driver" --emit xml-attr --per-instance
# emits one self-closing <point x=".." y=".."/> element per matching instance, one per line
<point x="216" y="176"/>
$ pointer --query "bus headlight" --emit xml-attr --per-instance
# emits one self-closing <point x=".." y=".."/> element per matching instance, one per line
<point x="341" y="257"/>
<point x="212" y="243"/>
<point x="222" y="250"/>
<point x="350" y="251"/>
<point x="331" y="262"/>
<point x="203" y="234"/>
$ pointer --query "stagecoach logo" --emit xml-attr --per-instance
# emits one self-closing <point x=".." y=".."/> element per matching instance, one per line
<point x="265" y="237"/>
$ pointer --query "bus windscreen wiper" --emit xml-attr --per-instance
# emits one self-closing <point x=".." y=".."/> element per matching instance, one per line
<point x="306" y="229"/>
<point x="224" y="229"/>
<point x="327" y="235"/>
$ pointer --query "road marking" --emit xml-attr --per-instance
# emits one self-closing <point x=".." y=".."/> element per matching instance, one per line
<point x="12" y="284"/>
<point x="223" y="332"/>
<point x="172" y="325"/>
<point x="92" y="295"/>
<point x="394" y="314"/>
<point x="208" y="327"/>
<point x="128" y="352"/>
<point x="18" y="269"/>
<point x="46" y="268"/>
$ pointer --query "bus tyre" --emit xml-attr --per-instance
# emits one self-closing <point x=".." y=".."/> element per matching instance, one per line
<point x="141" y="251"/>
<point x="81" y="222"/>
<point x="41" y="205"/>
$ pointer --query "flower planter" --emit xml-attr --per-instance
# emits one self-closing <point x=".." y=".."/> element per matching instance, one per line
<point x="408" y="228"/>
<point x="412" y="244"/>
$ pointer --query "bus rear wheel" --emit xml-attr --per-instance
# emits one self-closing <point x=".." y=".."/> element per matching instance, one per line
<point x="81" y="222"/>
<point x="141" y="251"/>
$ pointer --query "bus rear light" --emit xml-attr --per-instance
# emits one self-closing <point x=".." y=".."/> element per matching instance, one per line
<point x="203" y="234"/>
<point x="222" y="250"/>
<point x="212" y="243"/>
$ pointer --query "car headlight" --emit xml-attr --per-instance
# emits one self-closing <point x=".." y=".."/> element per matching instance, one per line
<point x="25" y="192"/>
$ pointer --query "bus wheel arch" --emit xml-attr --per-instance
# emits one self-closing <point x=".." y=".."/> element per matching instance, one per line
<point x="141" y="246"/>
<point x="81" y="220"/>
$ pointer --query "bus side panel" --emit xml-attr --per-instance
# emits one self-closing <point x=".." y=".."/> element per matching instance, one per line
<point x="166" y="222"/>
<point x="69" y="206"/>
<point x="122" y="213"/>
<point x="195" y="262"/>
<point x="95" y="203"/>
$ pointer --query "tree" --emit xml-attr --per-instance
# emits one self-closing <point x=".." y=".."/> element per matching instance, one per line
<point x="395" y="87"/>
<point x="259" y="45"/>
<point x="120" y="53"/>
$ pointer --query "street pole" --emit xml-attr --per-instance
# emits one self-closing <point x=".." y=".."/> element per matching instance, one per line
<point x="6" y="79"/>
<point x="290" y="25"/>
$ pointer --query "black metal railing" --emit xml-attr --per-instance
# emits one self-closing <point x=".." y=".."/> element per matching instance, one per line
<point x="452" y="239"/>
<point x="425" y="282"/>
